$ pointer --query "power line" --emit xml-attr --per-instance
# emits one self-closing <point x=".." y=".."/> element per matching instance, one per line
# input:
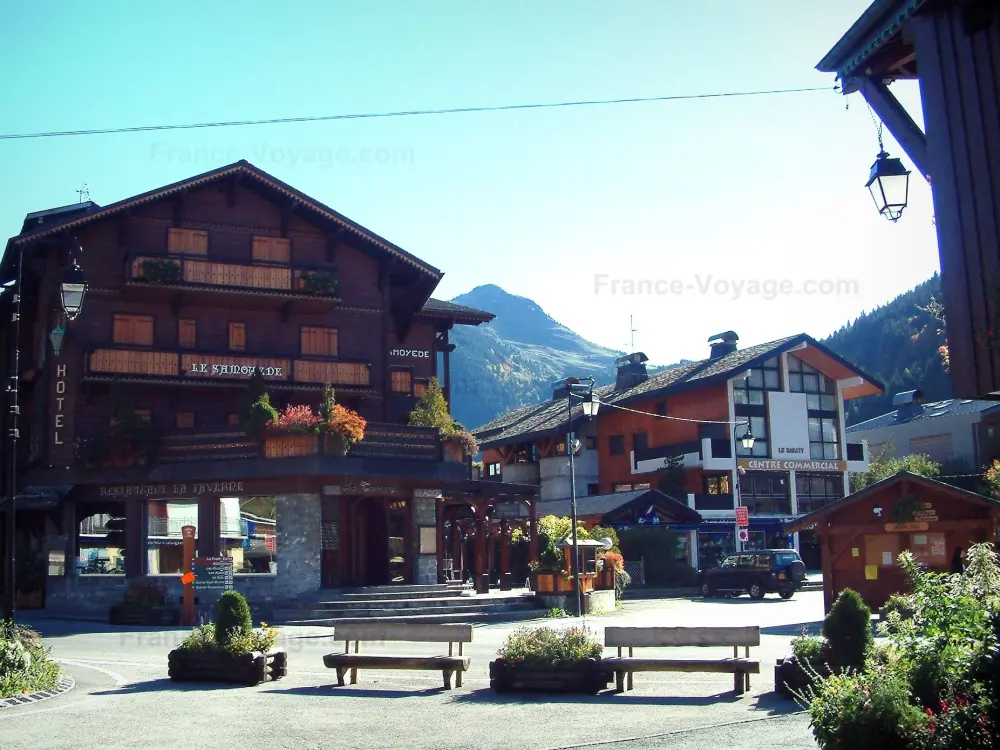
<point x="408" y="113"/>
<point x="667" y="416"/>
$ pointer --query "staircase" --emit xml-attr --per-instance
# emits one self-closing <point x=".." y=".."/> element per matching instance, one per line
<point x="438" y="603"/>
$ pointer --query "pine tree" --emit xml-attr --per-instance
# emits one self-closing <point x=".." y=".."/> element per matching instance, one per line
<point x="327" y="404"/>
<point x="431" y="410"/>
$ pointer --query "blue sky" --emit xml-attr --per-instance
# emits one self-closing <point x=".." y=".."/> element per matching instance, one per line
<point x="703" y="196"/>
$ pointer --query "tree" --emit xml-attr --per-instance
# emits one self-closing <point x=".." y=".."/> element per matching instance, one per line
<point x="327" y="404"/>
<point x="672" y="481"/>
<point x="886" y="466"/>
<point x="431" y="410"/>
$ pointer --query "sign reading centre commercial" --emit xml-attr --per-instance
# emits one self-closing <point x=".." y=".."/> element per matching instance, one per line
<point x="770" y="464"/>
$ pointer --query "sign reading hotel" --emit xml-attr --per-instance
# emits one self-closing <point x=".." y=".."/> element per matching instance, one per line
<point x="208" y="366"/>
<point x="771" y="464"/>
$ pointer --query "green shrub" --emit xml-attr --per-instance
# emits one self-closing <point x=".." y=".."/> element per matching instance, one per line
<point x="556" y="612"/>
<point x="848" y="630"/>
<point x="247" y="641"/>
<point x="870" y="710"/>
<point x="25" y="666"/>
<point x="548" y="647"/>
<point x="232" y="615"/>
<point x="259" y="415"/>
<point x="622" y="581"/>
<point x="202" y="638"/>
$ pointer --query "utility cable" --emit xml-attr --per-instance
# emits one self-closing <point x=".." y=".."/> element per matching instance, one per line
<point x="667" y="416"/>
<point x="407" y="113"/>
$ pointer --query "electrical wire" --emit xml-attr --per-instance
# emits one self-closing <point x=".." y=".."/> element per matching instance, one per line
<point x="409" y="113"/>
<point x="667" y="416"/>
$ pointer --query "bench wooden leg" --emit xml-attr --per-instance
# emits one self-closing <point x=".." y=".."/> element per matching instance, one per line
<point x="354" y="677"/>
<point x="738" y="680"/>
<point x="341" y="671"/>
<point x="447" y="678"/>
<point x="630" y="680"/>
<point x="458" y="678"/>
<point x="620" y="681"/>
<point x="748" y="680"/>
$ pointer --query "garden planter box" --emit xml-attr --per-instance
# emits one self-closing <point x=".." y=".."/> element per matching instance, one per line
<point x="551" y="583"/>
<point x="789" y="678"/>
<point x="218" y="666"/>
<point x="589" y="677"/>
<point x="282" y="446"/>
<point x="164" y="615"/>
<point x="30" y="600"/>
<point x="454" y="452"/>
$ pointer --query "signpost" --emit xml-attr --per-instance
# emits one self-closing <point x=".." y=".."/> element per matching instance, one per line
<point x="187" y="534"/>
<point x="742" y="516"/>
<point x="213" y="573"/>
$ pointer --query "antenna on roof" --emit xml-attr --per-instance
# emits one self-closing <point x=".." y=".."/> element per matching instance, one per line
<point x="632" y="332"/>
<point x="84" y="193"/>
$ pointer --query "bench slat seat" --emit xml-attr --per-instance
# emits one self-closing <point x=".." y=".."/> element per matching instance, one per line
<point x="384" y="661"/>
<point x="639" y="664"/>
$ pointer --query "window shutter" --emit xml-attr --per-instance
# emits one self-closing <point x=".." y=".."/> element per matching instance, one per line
<point x="187" y="333"/>
<point x="319" y="342"/>
<point x="187" y="241"/>
<point x="237" y="336"/>
<point x="272" y="249"/>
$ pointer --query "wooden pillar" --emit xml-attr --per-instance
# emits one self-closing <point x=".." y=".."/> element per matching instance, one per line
<point x="343" y="526"/>
<point x="135" y="537"/>
<point x="71" y="529"/>
<point x="505" y="577"/>
<point x="439" y="547"/>
<point x="482" y="577"/>
<point x="533" y="532"/>
<point x="385" y="286"/>
<point x="826" y="552"/>
<point x="456" y="546"/>
<point x="208" y="526"/>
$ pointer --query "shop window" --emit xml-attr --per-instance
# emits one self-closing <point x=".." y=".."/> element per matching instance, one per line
<point x="591" y="443"/>
<point x="616" y="443"/>
<point x="823" y="438"/>
<point x="164" y="539"/>
<point x="248" y="534"/>
<point x="318" y="342"/>
<point x="101" y="539"/>
<point x="713" y="548"/>
<point x="237" y="337"/>
<point x="133" y="330"/>
<point x="185" y="420"/>
<point x="750" y="390"/>
<point x="766" y="494"/>
<point x="187" y="241"/>
<point x="815" y="491"/>
<point x="717" y="484"/>
<point x="272" y="249"/>
<point x="187" y="333"/>
<point x="402" y="382"/>
<point x="640" y="441"/>
<point x="761" y="444"/>
<point x="493" y="469"/>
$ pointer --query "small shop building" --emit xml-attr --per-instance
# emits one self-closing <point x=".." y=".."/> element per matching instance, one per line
<point x="862" y="535"/>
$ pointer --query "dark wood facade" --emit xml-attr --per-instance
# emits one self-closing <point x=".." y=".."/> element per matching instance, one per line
<point x="953" y="48"/>
<point x="190" y="288"/>
<point x="862" y="535"/>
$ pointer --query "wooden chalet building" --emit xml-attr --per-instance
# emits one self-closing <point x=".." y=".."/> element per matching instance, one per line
<point x="950" y="48"/>
<point x="191" y="287"/>
<point x="790" y="391"/>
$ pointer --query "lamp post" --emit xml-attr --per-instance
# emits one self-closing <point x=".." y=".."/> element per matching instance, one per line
<point x="72" y="289"/>
<point x="889" y="184"/>
<point x="747" y="442"/>
<point x="590" y="403"/>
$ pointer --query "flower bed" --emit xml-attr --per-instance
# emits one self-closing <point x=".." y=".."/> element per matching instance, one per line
<point x="25" y="666"/>
<point x="549" y="660"/>
<point x="230" y="650"/>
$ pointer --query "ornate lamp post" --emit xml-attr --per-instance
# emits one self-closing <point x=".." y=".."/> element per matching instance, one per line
<point x="72" y="289"/>
<point x="747" y="442"/>
<point x="589" y="403"/>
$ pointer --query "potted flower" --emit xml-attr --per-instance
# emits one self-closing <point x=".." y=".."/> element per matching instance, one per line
<point x="230" y="649"/>
<point x="458" y="445"/>
<point x="295" y="432"/>
<point x="550" y="660"/>
<point x="341" y="427"/>
<point x="431" y="410"/>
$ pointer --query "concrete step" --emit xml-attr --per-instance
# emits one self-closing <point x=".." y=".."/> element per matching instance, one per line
<point x="394" y="596"/>
<point x="368" y="603"/>
<point x="508" y="615"/>
<point x="390" y="611"/>
<point x="400" y="589"/>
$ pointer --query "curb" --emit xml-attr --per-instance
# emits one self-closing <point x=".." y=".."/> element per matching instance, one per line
<point x="64" y="685"/>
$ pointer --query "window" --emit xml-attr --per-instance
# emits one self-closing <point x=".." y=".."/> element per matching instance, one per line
<point x="237" y="337"/>
<point x="401" y="382"/>
<point x="616" y="443"/>
<point x="187" y="241"/>
<point x="717" y="484"/>
<point x="248" y="534"/>
<point x="591" y="443"/>
<point x="758" y="425"/>
<point x="101" y="540"/>
<point x="493" y="469"/>
<point x="765" y="494"/>
<point x="593" y="489"/>
<point x="821" y="390"/>
<point x="814" y="491"/>
<point x="623" y="488"/>
<point x="185" y="419"/>
<point x="318" y="342"/>
<point x="187" y="333"/>
<point x="750" y="390"/>
<point x="272" y="249"/>
<point x="164" y="540"/>
<point x="419" y="388"/>
<point x="823" y="438"/>
<point x="640" y="441"/>
<point x="661" y="408"/>
<point x="136" y="330"/>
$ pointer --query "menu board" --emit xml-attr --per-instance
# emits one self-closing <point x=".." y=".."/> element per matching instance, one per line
<point x="213" y="573"/>
<point x="929" y="549"/>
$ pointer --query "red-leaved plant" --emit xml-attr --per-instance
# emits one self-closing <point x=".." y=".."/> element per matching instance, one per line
<point x="296" y="418"/>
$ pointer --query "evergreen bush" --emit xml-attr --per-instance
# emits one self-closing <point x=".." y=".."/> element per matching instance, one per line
<point x="848" y="630"/>
<point x="232" y="617"/>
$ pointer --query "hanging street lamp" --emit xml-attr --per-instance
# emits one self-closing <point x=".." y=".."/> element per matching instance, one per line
<point x="72" y="289"/>
<point x="889" y="184"/>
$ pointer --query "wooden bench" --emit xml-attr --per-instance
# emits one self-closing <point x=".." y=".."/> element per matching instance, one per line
<point x="448" y="665"/>
<point x="630" y="638"/>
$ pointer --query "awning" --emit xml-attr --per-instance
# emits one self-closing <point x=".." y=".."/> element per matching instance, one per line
<point x="41" y="497"/>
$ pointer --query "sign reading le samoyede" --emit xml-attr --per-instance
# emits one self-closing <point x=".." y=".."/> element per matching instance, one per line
<point x="215" y="573"/>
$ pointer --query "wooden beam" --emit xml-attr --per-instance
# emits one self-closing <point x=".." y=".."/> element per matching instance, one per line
<point x="897" y="119"/>
<point x="333" y="240"/>
<point x="287" y="214"/>
<point x="178" y="205"/>
<point x="231" y="186"/>
<point x="285" y="311"/>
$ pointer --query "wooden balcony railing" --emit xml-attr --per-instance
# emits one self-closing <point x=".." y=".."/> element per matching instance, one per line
<point x="175" y="268"/>
<point x="189" y="365"/>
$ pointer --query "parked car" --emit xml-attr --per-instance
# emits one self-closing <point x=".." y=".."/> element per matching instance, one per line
<point x="759" y="572"/>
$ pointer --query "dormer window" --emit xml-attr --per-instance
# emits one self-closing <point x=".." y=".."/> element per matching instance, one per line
<point x="765" y="377"/>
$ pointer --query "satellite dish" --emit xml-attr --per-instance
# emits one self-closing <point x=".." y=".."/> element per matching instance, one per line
<point x="608" y="544"/>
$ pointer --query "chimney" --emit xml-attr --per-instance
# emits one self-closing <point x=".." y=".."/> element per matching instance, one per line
<point x="631" y="371"/>
<point x="909" y="404"/>
<point x="723" y="344"/>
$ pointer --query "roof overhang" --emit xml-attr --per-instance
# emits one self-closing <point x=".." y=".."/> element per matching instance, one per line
<point x="877" y="43"/>
<point x="855" y="383"/>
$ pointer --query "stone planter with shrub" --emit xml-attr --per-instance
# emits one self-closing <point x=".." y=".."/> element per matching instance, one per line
<point x="548" y="660"/>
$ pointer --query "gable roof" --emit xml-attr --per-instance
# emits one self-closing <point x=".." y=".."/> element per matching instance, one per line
<point x="804" y="522"/>
<point x="952" y="407"/>
<point x="436" y="308"/>
<point x="241" y="168"/>
<point x="602" y="505"/>
<point x="550" y="417"/>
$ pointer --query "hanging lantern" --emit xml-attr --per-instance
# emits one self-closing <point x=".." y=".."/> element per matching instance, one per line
<point x="56" y="337"/>
<point x="72" y="289"/>
<point x="889" y="184"/>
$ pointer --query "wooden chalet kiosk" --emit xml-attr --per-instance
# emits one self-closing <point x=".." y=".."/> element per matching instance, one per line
<point x="862" y="535"/>
<point x="133" y="415"/>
